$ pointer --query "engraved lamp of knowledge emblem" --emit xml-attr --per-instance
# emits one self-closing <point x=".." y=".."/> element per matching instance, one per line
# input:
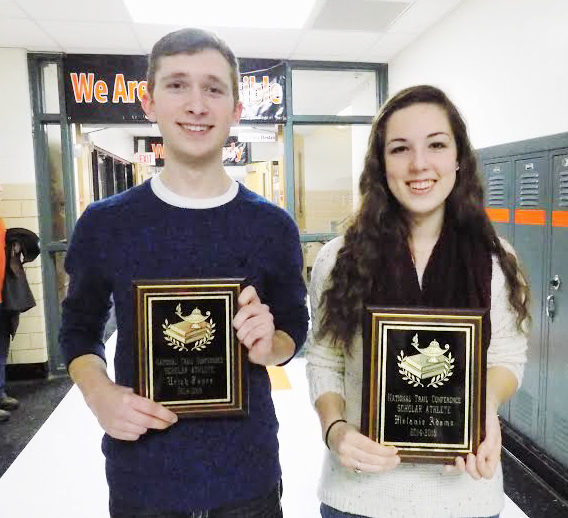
<point x="433" y="351"/>
<point x="194" y="329"/>
<point x="431" y="362"/>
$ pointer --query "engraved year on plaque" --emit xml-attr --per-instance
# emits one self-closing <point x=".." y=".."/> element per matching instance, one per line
<point x="187" y="356"/>
<point x="424" y="381"/>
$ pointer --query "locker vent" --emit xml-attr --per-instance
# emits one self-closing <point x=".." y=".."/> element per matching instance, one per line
<point x="560" y="432"/>
<point x="563" y="189"/>
<point x="530" y="187"/>
<point x="523" y="411"/>
<point x="496" y="194"/>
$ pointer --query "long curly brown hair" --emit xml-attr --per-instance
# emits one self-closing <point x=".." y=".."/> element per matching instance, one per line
<point x="381" y="220"/>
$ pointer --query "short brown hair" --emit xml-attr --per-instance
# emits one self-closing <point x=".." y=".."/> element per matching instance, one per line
<point x="191" y="41"/>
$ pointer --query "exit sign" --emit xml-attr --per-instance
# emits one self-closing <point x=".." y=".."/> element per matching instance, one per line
<point x="146" y="158"/>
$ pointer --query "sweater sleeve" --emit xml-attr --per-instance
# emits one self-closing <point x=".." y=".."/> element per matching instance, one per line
<point x="85" y="309"/>
<point x="325" y="363"/>
<point x="287" y="290"/>
<point x="508" y="346"/>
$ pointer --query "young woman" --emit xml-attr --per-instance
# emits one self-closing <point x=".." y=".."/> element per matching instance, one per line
<point x="420" y="238"/>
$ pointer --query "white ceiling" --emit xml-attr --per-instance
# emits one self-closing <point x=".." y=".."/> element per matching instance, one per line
<point x="337" y="30"/>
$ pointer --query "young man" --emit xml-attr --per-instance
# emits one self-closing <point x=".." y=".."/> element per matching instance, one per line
<point x="191" y="221"/>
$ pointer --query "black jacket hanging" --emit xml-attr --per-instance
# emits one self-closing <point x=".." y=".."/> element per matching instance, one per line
<point x="22" y="246"/>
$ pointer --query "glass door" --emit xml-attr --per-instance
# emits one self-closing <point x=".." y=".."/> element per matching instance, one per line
<point x="55" y="186"/>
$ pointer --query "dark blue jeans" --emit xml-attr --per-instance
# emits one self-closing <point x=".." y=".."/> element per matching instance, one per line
<point x="266" y="506"/>
<point x="330" y="512"/>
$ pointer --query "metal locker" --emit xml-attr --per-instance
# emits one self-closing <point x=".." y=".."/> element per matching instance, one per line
<point x="530" y="242"/>
<point x="556" y="418"/>
<point x="499" y="198"/>
<point x="499" y="184"/>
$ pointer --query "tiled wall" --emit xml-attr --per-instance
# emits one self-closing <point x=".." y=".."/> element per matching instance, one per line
<point x="18" y="208"/>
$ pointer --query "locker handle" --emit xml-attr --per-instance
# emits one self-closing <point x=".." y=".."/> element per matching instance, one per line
<point x="556" y="282"/>
<point x="550" y="307"/>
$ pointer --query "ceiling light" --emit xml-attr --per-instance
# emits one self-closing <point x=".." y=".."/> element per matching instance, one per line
<point x="266" y="14"/>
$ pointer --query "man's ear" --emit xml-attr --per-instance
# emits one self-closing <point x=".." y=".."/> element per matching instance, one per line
<point x="148" y="106"/>
<point x="238" y="112"/>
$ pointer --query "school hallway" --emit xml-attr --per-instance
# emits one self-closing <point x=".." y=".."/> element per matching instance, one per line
<point x="64" y="465"/>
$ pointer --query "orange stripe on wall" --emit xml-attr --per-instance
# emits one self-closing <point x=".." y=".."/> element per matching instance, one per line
<point x="560" y="218"/>
<point x="530" y="217"/>
<point x="498" y="215"/>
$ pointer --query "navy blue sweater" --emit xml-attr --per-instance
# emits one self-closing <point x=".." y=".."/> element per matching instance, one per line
<point x="203" y="463"/>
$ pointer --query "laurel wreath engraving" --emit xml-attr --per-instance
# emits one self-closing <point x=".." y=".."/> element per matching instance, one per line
<point x="206" y="340"/>
<point x="197" y="346"/>
<point x="439" y="380"/>
<point x="410" y="378"/>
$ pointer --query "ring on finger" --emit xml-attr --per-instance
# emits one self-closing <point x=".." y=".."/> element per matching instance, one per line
<point x="358" y="467"/>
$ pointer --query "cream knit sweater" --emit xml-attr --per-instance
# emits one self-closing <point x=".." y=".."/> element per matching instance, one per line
<point x="410" y="490"/>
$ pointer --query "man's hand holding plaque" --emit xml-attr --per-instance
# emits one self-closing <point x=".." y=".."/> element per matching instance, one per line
<point x="121" y="413"/>
<point x="254" y="324"/>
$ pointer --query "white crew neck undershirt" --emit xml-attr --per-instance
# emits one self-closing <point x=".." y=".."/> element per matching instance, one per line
<point x="184" y="202"/>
